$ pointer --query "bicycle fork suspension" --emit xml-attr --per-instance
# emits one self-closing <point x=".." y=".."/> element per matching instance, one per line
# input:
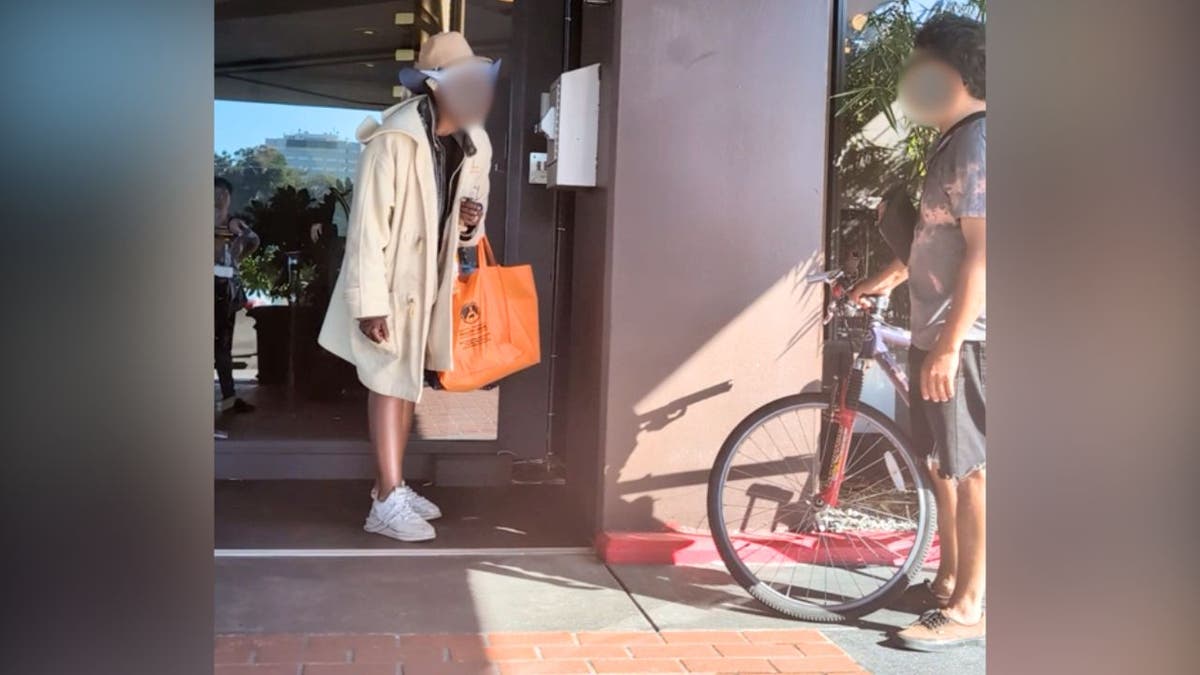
<point x="842" y="416"/>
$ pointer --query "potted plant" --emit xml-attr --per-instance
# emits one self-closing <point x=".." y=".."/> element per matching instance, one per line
<point x="281" y="275"/>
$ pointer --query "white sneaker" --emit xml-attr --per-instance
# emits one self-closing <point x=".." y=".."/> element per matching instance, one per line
<point x="394" y="517"/>
<point x="424" y="508"/>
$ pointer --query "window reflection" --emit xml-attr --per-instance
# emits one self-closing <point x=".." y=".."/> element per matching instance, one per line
<point x="873" y="147"/>
<point x="292" y="169"/>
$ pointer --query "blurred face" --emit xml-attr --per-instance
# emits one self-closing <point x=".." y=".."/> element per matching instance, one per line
<point x="223" y="198"/>
<point x="930" y="90"/>
<point x="465" y="94"/>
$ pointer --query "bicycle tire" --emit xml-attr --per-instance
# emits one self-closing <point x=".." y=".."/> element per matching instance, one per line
<point x="762" y="592"/>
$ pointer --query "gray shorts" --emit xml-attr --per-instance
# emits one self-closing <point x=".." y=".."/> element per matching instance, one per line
<point x="951" y="433"/>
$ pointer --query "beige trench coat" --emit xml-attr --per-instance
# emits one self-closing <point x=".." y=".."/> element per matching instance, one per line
<point x="392" y="267"/>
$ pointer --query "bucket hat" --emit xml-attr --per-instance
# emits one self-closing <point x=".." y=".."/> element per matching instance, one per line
<point x="442" y="56"/>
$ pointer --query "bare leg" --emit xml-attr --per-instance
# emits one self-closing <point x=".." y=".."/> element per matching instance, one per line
<point x="390" y="420"/>
<point x="966" y="605"/>
<point x="945" y="492"/>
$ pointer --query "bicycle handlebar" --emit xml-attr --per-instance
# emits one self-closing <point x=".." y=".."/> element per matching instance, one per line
<point x="824" y="277"/>
<point x="840" y="303"/>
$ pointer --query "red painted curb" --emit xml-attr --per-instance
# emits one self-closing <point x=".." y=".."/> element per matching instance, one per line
<point x="681" y="548"/>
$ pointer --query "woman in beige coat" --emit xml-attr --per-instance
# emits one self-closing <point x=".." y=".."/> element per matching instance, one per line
<point x="421" y="193"/>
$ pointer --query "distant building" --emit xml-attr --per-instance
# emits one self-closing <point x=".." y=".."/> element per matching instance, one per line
<point x="318" y="153"/>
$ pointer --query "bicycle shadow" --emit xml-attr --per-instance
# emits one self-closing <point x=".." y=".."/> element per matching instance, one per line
<point x="641" y="509"/>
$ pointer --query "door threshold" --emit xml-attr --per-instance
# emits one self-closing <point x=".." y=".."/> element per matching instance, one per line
<point x="399" y="552"/>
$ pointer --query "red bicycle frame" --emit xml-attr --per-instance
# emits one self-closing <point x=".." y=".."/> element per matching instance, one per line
<point x="843" y="416"/>
<point x="873" y="345"/>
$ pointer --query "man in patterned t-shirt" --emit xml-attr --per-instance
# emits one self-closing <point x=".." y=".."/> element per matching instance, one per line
<point x="943" y="86"/>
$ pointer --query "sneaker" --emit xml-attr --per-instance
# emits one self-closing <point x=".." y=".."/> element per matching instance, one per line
<point x="394" y="517"/>
<point x="240" y="406"/>
<point x="935" y="632"/>
<point x="424" y="508"/>
<point x="235" y="405"/>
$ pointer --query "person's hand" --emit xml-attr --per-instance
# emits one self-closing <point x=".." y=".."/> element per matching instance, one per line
<point x="859" y="293"/>
<point x="375" y="328"/>
<point x="470" y="213"/>
<point x="938" y="373"/>
<point x="237" y="226"/>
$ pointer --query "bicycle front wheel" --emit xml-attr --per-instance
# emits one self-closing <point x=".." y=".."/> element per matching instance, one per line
<point x="793" y="552"/>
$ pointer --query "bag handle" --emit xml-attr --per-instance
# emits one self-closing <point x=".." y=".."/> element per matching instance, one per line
<point x="945" y="139"/>
<point x="901" y="187"/>
<point x="483" y="253"/>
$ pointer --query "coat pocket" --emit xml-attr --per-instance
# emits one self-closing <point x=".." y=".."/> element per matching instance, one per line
<point x="401" y="326"/>
<point x="400" y="321"/>
<point x="397" y="320"/>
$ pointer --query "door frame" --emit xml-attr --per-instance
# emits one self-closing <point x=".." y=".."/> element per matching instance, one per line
<point x="534" y="223"/>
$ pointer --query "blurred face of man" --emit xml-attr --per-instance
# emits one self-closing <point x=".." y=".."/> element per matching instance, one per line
<point x="930" y="90"/>
<point x="465" y="94"/>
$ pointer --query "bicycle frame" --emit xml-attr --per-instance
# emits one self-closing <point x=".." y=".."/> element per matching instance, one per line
<point x="881" y="339"/>
<point x="877" y="346"/>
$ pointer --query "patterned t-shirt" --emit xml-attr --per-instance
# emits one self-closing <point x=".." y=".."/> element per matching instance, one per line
<point x="955" y="187"/>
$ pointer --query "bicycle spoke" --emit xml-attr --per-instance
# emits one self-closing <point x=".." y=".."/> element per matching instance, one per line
<point x="731" y="487"/>
<point x="774" y="554"/>
<point x="800" y="421"/>
<point x="789" y="435"/>
<point x="831" y="556"/>
<point x="762" y="454"/>
<point x="760" y="479"/>
<point x="869" y="542"/>
<point x="851" y="476"/>
<point x="866" y="453"/>
<point x="760" y="510"/>
<point x="792" y="578"/>
<point x="773" y="442"/>
<point x="828" y="556"/>
<point x="859" y="493"/>
<point x="852" y="576"/>
<point x="786" y="560"/>
<point x="876" y="511"/>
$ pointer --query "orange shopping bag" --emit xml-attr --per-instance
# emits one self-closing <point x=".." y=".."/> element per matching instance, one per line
<point x="495" y="323"/>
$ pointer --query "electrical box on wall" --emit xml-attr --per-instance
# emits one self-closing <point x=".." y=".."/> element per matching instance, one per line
<point x="571" y="126"/>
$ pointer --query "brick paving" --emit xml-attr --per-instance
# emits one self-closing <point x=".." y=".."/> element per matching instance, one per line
<point x="468" y="415"/>
<point x="787" y="651"/>
<point x="446" y="415"/>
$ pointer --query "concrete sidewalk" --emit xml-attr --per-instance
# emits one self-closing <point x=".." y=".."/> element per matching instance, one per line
<point x="475" y="610"/>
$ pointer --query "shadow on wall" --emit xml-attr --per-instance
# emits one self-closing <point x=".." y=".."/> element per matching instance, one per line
<point x="659" y="431"/>
<point x="804" y="290"/>
<point x="641" y="509"/>
<point x="713" y="210"/>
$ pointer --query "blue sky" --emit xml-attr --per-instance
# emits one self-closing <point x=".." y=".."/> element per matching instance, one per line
<point x="237" y="124"/>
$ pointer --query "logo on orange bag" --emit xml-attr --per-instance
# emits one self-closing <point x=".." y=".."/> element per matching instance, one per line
<point x="469" y="313"/>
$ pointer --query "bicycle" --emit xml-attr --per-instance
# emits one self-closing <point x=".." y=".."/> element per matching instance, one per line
<point x="857" y="514"/>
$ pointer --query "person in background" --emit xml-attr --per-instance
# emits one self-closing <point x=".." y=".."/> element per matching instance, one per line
<point x="233" y="240"/>
<point x="420" y="194"/>
<point x="943" y="86"/>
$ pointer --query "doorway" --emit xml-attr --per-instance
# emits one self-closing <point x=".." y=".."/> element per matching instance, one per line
<point x="292" y="82"/>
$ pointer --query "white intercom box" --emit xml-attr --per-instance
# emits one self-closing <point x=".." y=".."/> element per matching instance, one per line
<point x="571" y="126"/>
